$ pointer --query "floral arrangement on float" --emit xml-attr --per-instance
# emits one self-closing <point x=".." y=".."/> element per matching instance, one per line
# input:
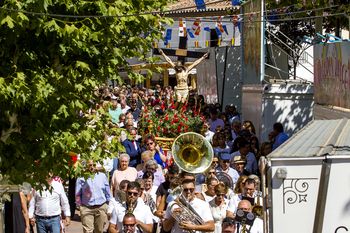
<point x="167" y="123"/>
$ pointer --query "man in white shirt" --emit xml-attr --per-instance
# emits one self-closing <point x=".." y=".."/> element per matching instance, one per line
<point x="200" y="206"/>
<point x="244" y="147"/>
<point x="143" y="214"/>
<point x="45" y="208"/>
<point x="208" y="134"/>
<point x="249" y="190"/>
<point x="124" y="106"/>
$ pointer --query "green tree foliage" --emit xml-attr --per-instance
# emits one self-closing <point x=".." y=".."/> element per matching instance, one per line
<point x="295" y="29"/>
<point x="49" y="68"/>
<point x="329" y="23"/>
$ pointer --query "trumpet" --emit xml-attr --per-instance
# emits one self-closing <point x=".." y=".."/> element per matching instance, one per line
<point x="258" y="208"/>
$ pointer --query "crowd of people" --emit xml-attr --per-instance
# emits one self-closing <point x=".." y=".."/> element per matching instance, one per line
<point x="139" y="191"/>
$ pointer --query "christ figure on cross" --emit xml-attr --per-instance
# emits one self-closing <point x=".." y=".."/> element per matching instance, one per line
<point x="181" y="89"/>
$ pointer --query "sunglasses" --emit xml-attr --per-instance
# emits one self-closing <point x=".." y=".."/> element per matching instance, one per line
<point x="129" y="225"/>
<point x="211" y="173"/>
<point x="133" y="194"/>
<point x="220" y="195"/>
<point x="151" y="169"/>
<point x="189" y="190"/>
<point x="148" y="144"/>
<point x="215" y="162"/>
<point x="229" y="221"/>
<point x="226" y="161"/>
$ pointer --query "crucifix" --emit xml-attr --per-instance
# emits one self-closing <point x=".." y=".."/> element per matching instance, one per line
<point x="181" y="89"/>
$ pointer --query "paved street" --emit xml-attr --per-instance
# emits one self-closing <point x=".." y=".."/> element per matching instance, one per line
<point x="76" y="226"/>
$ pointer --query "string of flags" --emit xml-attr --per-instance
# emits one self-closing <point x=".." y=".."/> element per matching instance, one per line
<point x="220" y="28"/>
<point x="206" y="44"/>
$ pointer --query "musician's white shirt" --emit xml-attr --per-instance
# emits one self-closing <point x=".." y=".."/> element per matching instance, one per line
<point x="115" y="201"/>
<point x="258" y="227"/>
<point x="142" y="212"/>
<point x="200" y="206"/>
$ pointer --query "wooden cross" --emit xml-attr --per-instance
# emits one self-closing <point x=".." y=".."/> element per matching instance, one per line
<point x="181" y="52"/>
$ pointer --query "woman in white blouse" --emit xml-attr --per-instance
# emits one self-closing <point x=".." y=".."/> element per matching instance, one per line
<point x="218" y="206"/>
<point x="210" y="193"/>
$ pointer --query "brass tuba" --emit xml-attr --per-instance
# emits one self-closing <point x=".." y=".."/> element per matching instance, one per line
<point x="187" y="213"/>
<point x="192" y="152"/>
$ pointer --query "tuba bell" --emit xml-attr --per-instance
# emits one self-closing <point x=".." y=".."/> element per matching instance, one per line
<point x="192" y="152"/>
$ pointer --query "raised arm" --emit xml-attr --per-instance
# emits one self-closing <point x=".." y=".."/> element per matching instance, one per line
<point x="166" y="58"/>
<point x="197" y="62"/>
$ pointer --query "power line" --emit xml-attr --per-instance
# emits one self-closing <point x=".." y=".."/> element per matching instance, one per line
<point x="147" y="13"/>
<point x="269" y="20"/>
<point x="106" y="16"/>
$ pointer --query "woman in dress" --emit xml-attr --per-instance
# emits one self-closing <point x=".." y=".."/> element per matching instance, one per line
<point x="210" y="193"/>
<point x="150" y="189"/>
<point x="218" y="206"/>
<point x="155" y="149"/>
<point x="124" y="172"/>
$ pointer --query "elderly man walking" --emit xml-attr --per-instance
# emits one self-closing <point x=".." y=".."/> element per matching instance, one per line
<point x="92" y="195"/>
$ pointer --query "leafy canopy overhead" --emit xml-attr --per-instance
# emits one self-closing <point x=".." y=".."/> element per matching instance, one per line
<point x="49" y="69"/>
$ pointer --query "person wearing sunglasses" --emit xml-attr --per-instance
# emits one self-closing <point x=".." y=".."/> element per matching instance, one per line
<point x="158" y="154"/>
<point x="225" y="160"/>
<point x="210" y="193"/>
<point x="219" y="205"/>
<point x="200" y="206"/>
<point x="228" y="225"/>
<point x="215" y="162"/>
<point x="133" y="204"/>
<point x="129" y="223"/>
<point x="152" y="166"/>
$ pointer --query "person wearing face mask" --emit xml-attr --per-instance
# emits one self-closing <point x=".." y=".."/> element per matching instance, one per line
<point x="142" y="213"/>
<point x="218" y="206"/>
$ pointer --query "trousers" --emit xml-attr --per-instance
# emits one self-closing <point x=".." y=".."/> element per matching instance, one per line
<point x="45" y="225"/>
<point x="93" y="218"/>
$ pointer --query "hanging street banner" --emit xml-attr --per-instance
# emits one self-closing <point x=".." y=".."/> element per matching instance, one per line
<point x="332" y="74"/>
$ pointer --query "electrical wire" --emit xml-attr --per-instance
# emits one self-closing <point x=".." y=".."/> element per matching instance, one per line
<point x="147" y="13"/>
<point x="268" y="20"/>
<point x="106" y="16"/>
